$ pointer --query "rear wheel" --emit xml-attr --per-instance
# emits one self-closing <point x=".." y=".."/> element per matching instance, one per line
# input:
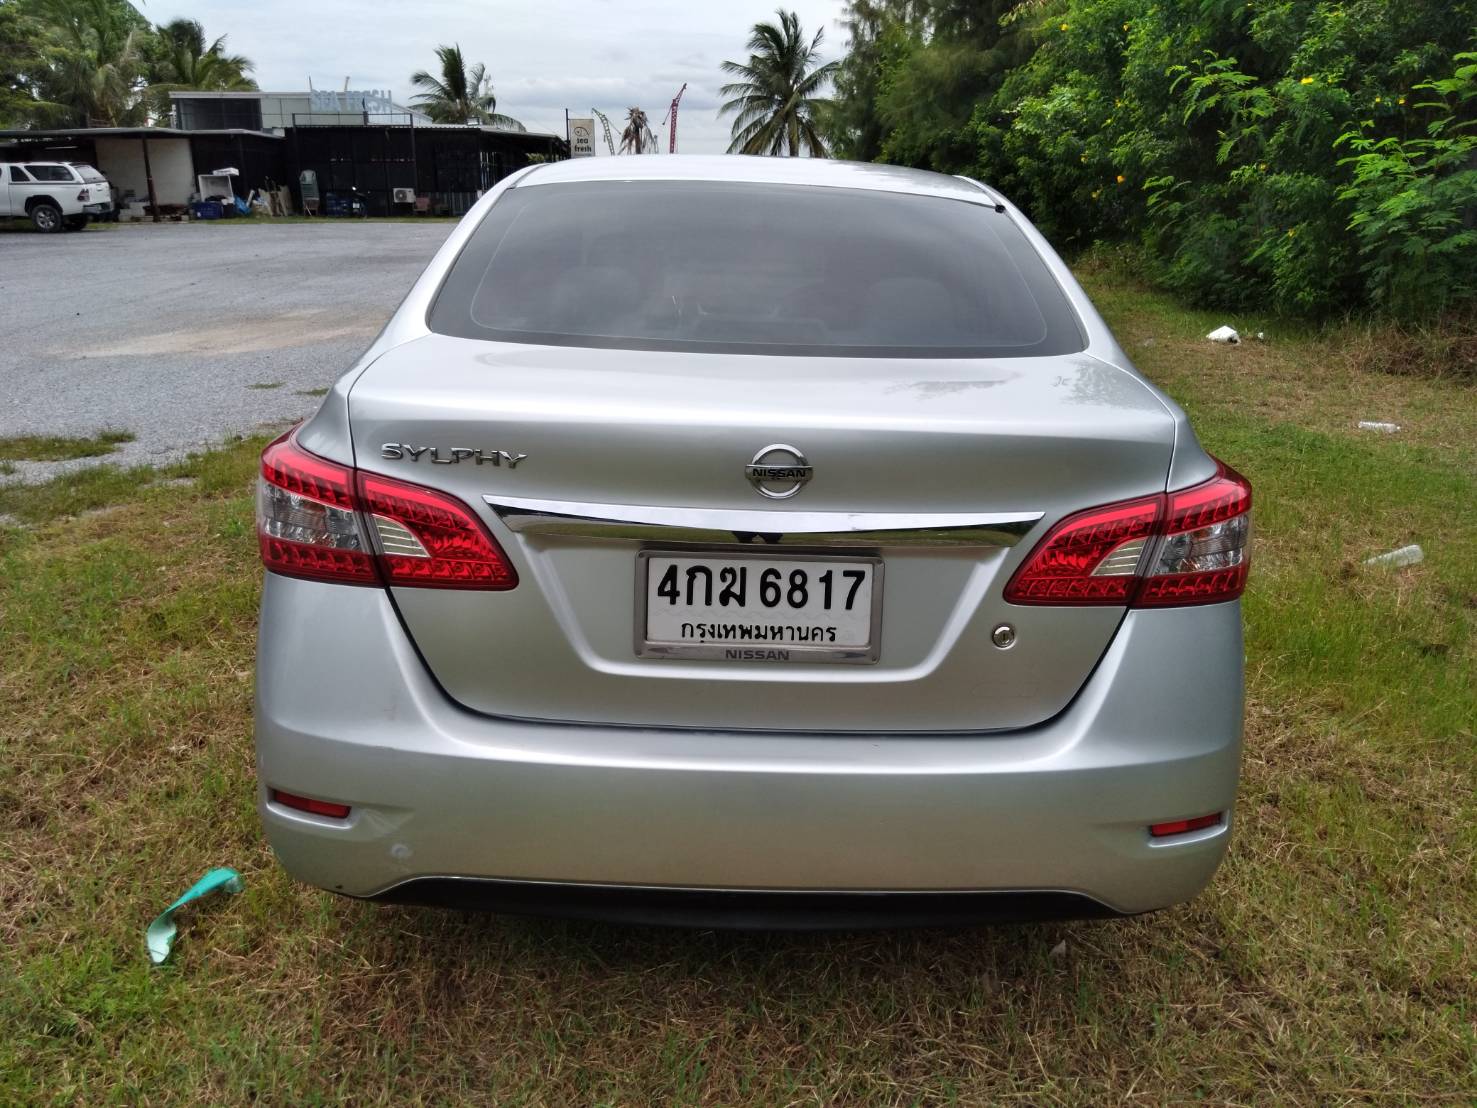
<point x="46" y="217"/>
<point x="75" y="222"/>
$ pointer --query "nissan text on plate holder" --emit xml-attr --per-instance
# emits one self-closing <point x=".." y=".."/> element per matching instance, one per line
<point x="750" y="542"/>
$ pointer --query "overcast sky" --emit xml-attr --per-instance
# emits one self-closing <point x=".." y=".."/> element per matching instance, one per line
<point x="544" y="56"/>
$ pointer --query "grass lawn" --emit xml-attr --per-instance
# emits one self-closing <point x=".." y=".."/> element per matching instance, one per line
<point x="1332" y="961"/>
<point x="56" y="448"/>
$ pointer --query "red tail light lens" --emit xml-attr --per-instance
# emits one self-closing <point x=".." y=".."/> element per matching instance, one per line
<point x="306" y="525"/>
<point x="432" y="540"/>
<point x="1203" y="556"/>
<point x="1185" y="547"/>
<point x="324" y="521"/>
<point x="1090" y="557"/>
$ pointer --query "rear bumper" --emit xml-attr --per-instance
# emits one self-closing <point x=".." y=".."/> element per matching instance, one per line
<point x="346" y="712"/>
<point x="742" y="909"/>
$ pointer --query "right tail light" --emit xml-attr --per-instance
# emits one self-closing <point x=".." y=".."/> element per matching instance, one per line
<point x="1170" y="549"/>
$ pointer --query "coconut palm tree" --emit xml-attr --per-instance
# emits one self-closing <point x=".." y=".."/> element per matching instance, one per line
<point x="775" y="97"/>
<point x="96" y="61"/>
<point x="182" y="60"/>
<point x="23" y="57"/>
<point x="637" y="137"/>
<point x="460" y="94"/>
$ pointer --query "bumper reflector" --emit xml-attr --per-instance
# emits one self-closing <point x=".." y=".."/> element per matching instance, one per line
<point x="312" y="807"/>
<point x="1180" y="826"/>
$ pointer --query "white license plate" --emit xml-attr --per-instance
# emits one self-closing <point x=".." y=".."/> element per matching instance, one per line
<point x="758" y="607"/>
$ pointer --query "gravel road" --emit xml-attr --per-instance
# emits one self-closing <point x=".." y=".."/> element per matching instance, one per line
<point x="185" y="334"/>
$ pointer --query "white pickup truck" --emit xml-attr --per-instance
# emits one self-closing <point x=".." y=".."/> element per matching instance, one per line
<point x="54" y="196"/>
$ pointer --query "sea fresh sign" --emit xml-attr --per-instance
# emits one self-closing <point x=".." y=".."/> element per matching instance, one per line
<point x="582" y="138"/>
<point x="374" y="101"/>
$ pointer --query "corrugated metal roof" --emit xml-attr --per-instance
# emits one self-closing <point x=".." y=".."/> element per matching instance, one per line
<point x="126" y="132"/>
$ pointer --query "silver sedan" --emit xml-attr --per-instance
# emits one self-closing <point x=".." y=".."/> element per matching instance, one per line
<point x="754" y="542"/>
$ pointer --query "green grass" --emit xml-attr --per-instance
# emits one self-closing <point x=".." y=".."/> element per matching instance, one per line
<point x="26" y="227"/>
<point x="57" y="448"/>
<point x="1332" y="961"/>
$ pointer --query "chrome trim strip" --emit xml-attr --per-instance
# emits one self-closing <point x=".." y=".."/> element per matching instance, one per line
<point x="530" y="516"/>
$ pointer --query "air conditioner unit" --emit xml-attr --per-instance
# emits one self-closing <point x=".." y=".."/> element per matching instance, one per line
<point x="405" y="196"/>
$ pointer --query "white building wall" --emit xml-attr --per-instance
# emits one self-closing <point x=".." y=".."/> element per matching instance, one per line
<point x="121" y="160"/>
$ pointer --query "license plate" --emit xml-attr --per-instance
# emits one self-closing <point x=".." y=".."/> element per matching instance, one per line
<point x="758" y="607"/>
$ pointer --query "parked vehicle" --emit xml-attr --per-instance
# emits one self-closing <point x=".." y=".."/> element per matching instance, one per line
<point x="54" y="196"/>
<point x="750" y="541"/>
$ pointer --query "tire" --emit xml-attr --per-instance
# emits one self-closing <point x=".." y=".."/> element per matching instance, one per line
<point x="46" y="218"/>
<point x="75" y="222"/>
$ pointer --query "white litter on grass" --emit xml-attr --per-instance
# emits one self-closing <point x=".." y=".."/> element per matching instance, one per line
<point x="1378" y="425"/>
<point x="1405" y="556"/>
<point x="1224" y="334"/>
<point x="1058" y="951"/>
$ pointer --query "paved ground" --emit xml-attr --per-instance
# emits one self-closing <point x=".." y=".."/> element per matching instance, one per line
<point x="174" y="332"/>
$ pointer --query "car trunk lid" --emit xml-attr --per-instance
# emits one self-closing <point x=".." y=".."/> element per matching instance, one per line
<point x="580" y="460"/>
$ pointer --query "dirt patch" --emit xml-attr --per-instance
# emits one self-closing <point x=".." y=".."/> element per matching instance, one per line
<point x="243" y="335"/>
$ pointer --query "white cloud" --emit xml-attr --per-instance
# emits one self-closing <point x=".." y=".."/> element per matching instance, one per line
<point x="543" y="58"/>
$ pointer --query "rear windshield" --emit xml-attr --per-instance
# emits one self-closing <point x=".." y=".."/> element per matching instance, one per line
<point x="754" y="269"/>
<point x="87" y="173"/>
<point x="50" y="172"/>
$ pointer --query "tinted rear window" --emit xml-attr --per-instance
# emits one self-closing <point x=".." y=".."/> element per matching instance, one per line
<point x="50" y="172"/>
<point x="755" y="269"/>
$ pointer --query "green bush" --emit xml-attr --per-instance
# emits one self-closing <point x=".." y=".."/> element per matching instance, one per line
<point x="1414" y="202"/>
<point x="1299" y="156"/>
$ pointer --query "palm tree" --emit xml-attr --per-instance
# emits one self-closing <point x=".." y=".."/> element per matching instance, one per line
<point x="637" y="137"/>
<point x="23" y="58"/>
<point x="96" y="67"/>
<point x="459" y="95"/>
<point x="183" y="61"/>
<point x="775" y="96"/>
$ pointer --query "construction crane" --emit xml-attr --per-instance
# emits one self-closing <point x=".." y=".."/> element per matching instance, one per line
<point x="605" y="123"/>
<point x="672" y="115"/>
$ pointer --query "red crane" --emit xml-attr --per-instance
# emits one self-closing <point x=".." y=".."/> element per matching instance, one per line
<point x="672" y="114"/>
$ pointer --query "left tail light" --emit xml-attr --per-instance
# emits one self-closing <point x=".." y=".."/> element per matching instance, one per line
<point x="1186" y="547"/>
<point x="328" y="522"/>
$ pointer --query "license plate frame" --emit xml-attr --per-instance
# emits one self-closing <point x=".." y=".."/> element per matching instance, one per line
<point x="743" y="652"/>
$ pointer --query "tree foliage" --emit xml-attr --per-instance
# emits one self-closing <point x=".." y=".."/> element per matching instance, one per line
<point x="23" y="49"/>
<point x="915" y="71"/>
<point x="776" y="99"/>
<point x="1309" y="155"/>
<point x="80" y="63"/>
<point x="95" y="66"/>
<point x="181" y="58"/>
<point x="460" y="93"/>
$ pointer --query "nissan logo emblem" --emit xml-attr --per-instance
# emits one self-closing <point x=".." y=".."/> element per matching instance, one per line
<point x="778" y="471"/>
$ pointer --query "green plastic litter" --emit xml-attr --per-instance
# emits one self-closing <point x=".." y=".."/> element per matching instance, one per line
<point x="162" y="931"/>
